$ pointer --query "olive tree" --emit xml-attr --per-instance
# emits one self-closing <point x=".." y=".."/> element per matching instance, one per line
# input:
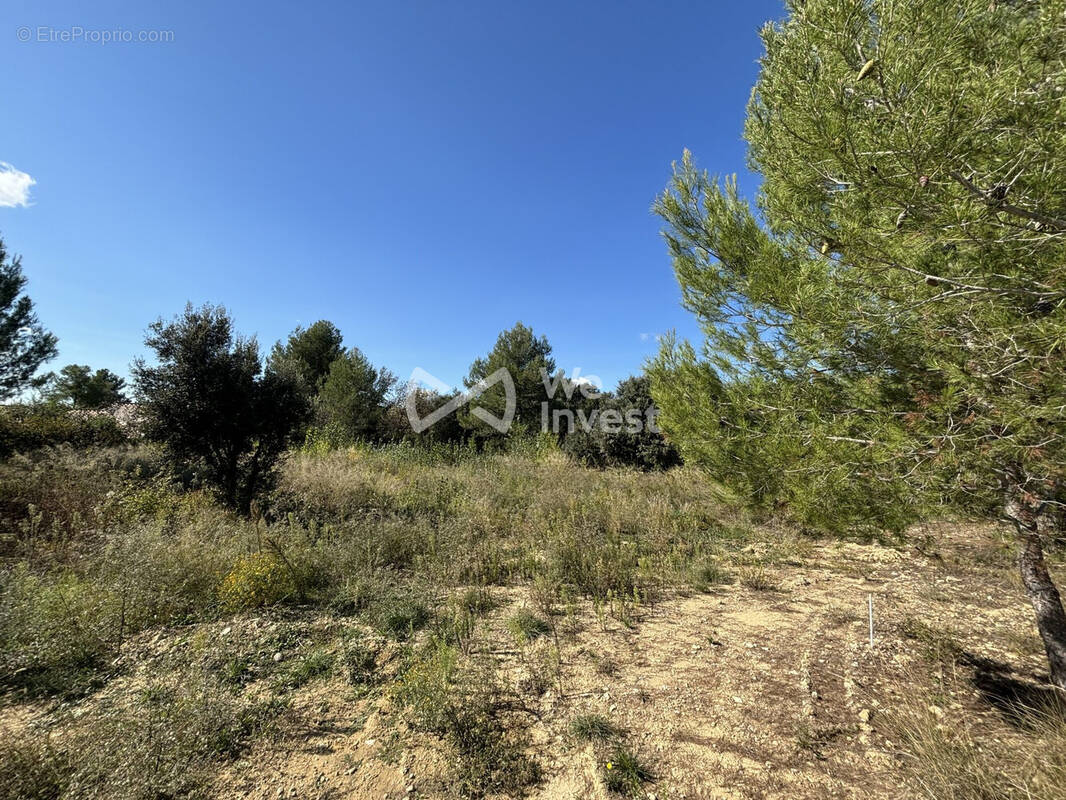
<point x="209" y="403"/>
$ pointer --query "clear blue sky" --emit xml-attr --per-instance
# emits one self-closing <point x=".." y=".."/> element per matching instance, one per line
<point x="422" y="173"/>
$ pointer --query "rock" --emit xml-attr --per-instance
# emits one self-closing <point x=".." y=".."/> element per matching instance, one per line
<point x="277" y="657"/>
<point x="864" y="715"/>
<point x="226" y="631"/>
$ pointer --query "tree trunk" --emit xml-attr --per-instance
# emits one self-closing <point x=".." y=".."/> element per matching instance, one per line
<point x="1024" y="511"/>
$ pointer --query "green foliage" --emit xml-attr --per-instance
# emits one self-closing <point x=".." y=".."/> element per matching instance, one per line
<point x="397" y="425"/>
<point x="360" y="662"/>
<point x="24" y="344"/>
<point x="526" y="626"/>
<point x="256" y="580"/>
<point x="207" y="402"/>
<point x="633" y="441"/>
<point x="465" y="705"/>
<point x="167" y="743"/>
<point x="78" y="386"/>
<point x="31" y="769"/>
<point x="55" y="633"/>
<point x="885" y="337"/>
<point x="309" y="352"/>
<point x="24" y="428"/>
<point x="399" y="615"/>
<point x="352" y="399"/>
<point x="709" y="573"/>
<point x="594" y="728"/>
<point x="527" y="358"/>
<point x="316" y="664"/>
<point x="625" y="773"/>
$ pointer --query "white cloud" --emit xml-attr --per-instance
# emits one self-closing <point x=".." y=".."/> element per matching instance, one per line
<point x="14" y="187"/>
<point x="645" y="336"/>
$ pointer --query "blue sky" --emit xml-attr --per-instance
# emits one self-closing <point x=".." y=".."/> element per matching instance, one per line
<point x="423" y="174"/>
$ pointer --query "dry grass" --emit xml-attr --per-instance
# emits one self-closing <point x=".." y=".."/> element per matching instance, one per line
<point x="949" y="758"/>
<point x="474" y="602"/>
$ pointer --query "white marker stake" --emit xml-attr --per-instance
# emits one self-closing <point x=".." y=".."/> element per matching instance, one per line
<point x="870" y="600"/>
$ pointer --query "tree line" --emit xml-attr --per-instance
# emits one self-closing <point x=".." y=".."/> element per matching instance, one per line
<point x="222" y="411"/>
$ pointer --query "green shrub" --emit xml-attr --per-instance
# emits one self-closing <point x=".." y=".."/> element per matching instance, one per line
<point x="256" y="580"/>
<point x="57" y="632"/>
<point x="24" y="428"/>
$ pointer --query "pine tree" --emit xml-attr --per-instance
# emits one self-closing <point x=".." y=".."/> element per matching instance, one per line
<point x="527" y="359"/>
<point x="352" y="399"/>
<point x="311" y="351"/>
<point x="885" y="331"/>
<point x="78" y="386"/>
<point x="24" y="343"/>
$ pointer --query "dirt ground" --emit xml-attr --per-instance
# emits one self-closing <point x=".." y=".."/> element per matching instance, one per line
<point x="735" y="693"/>
<point x="764" y="687"/>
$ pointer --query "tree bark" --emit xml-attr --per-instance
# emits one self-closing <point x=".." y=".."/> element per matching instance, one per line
<point x="1024" y="511"/>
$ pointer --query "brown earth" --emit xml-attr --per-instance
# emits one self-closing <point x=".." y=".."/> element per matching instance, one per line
<point x="736" y="692"/>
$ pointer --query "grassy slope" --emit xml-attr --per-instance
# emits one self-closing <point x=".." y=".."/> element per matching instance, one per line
<point x="497" y="625"/>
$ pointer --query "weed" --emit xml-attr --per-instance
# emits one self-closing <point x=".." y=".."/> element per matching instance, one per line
<point x="360" y="663"/>
<point x="937" y="644"/>
<point x="947" y="760"/>
<point x="316" y="664"/>
<point x="399" y="617"/>
<point x="625" y="773"/>
<point x="605" y="665"/>
<point x="471" y="713"/>
<point x="526" y="626"/>
<point x="709" y="574"/>
<point x="759" y="579"/>
<point x="593" y="728"/>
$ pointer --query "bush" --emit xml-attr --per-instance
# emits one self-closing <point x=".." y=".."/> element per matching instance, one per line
<point x="645" y="449"/>
<point x="24" y="428"/>
<point x="56" y="632"/>
<point x="256" y="580"/>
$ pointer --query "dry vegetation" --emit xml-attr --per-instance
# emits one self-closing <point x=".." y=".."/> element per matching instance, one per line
<point x="405" y="623"/>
